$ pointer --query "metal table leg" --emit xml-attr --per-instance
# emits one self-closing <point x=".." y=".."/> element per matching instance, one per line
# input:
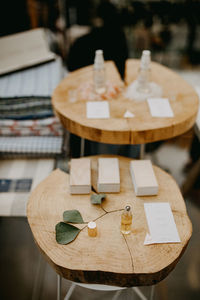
<point x="70" y="291"/>
<point x="116" y="295"/>
<point x="82" y="152"/>
<point x="139" y="293"/>
<point x="142" y="151"/>
<point x="142" y="296"/>
<point x="59" y="286"/>
<point x="152" y="292"/>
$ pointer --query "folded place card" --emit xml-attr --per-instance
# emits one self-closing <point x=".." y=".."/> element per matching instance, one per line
<point x="97" y="110"/>
<point x="128" y="114"/>
<point x="80" y="176"/>
<point x="108" y="175"/>
<point x="143" y="178"/>
<point x="162" y="227"/>
<point x="160" y="107"/>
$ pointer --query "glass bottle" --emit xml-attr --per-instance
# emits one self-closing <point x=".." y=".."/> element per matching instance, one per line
<point x="144" y="72"/>
<point x="99" y="73"/>
<point x="126" y="220"/>
<point x="92" y="229"/>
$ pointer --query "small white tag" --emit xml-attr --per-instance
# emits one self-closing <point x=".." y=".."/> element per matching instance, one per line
<point x="128" y="114"/>
<point x="160" y="107"/>
<point x="97" y="110"/>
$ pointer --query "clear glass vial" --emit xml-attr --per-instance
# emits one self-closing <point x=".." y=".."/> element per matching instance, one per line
<point x="126" y="220"/>
<point x="144" y="72"/>
<point x="99" y="73"/>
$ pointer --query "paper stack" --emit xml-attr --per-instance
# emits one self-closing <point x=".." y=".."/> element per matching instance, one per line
<point x="143" y="177"/>
<point x="108" y="175"/>
<point x="80" y="176"/>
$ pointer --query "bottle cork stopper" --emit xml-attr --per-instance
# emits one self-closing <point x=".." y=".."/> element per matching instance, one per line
<point x="92" y="229"/>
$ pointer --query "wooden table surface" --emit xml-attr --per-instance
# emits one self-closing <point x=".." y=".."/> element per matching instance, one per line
<point x="141" y="129"/>
<point x="110" y="258"/>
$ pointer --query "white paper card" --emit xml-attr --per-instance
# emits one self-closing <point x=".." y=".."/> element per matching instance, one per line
<point x="160" y="107"/>
<point x="128" y="114"/>
<point x="97" y="110"/>
<point x="162" y="227"/>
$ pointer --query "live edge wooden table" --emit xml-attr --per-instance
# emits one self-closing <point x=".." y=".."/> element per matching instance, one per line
<point x="141" y="129"/>
<point x="110" y="258"/>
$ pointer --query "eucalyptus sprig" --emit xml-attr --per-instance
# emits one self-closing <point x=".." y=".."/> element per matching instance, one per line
<point x="66" y="233"/>
<point x="97" y="198"/>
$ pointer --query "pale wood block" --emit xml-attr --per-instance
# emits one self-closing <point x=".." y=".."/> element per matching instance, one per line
<point x="108" y="175"/>
<point x="143" y="178"/>
<point x="80" y="176"/>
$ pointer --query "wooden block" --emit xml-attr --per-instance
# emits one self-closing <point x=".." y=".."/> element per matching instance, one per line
<point x="80" y="176"/>
<point x="143" y="177"/>
<point x="108" y="175"/>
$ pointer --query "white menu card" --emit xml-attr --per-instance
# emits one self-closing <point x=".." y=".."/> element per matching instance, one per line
<point x="162" y="227"/>
<point x="160" y="107"/>
<point x="97" y="110"/>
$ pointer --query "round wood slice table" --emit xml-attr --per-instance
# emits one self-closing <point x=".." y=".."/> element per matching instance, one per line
<point x="141" y="129"/>
<point x="110" y="258"/>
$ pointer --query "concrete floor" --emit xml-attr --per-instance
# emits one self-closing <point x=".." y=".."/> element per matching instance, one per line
<point x="26" y="275"/>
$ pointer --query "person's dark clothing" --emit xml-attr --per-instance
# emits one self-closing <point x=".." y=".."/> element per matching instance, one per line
<point x="111" y="40"/>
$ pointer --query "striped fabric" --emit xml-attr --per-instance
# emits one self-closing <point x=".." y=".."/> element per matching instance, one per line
<point x="39" y="127"/>
<point x="17" y="178"/>
<point x="38" y="81"/>
<point x="28" y="127"/>
<point x="41" y="145"/>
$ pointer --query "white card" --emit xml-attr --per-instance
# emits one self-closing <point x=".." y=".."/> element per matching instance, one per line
<point x="97" y="110"/>
<point x="162" y="227"/>
<point x="160" y="107"/>
<point x="128" y="114"/>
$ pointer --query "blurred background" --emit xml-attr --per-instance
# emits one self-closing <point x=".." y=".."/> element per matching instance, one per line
<point x="170" y="29"/>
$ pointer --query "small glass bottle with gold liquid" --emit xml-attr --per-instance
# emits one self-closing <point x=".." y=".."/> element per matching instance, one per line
<point x="126" y="220"/>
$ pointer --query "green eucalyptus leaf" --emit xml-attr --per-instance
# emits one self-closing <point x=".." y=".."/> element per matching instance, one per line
<point x="72" y="216"/>
<point x="66" y="233"/>
<point x="97" y="198"/>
